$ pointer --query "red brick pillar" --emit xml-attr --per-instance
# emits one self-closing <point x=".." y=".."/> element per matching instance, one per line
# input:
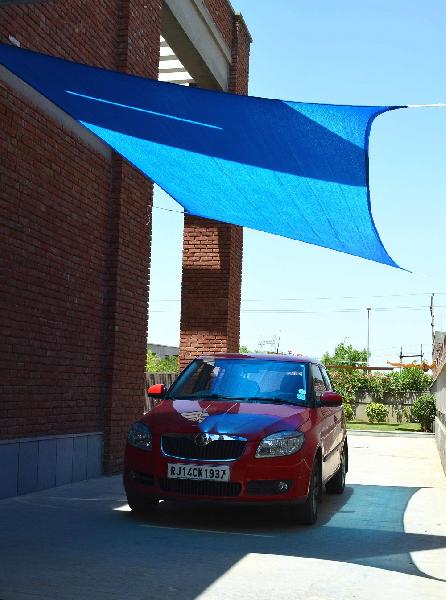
<point x="138" y="34"/>
<point x="212" y="255"/>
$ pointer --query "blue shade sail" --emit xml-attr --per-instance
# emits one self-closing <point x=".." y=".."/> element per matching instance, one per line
<point x="293" y="169"/>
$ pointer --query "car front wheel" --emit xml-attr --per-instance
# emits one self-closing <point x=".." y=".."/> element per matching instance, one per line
<point x="306" y="514"/>
<point x="140" y="503"/>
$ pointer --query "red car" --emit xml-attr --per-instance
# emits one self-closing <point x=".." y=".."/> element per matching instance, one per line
<point x="241" y="428"/>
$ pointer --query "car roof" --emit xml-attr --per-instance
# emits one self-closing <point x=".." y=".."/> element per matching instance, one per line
<point x="275" y="357"/>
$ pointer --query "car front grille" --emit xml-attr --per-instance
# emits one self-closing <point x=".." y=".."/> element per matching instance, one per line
<point x="189" y="487"/>
<point x="185" y="447"/>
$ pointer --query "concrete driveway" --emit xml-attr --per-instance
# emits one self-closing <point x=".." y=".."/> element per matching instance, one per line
<point x="384" y="538"/>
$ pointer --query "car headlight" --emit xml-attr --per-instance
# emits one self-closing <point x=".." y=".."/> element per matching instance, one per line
<point x="139" y="436"/>
<point x="282" y="443"/>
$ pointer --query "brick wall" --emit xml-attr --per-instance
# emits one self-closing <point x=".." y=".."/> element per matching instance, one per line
<point x="212" y="251"/>
<point x="223" y="16"/>
<point x="138" y="34"/>
<point x="54" y="215"/>
<point x="78" y="30"/>
<point x="241" y="41"/>
<point x="75" y="238"/>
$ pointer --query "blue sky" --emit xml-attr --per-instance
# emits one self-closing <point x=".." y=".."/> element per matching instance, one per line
<point x="344" y="52"/>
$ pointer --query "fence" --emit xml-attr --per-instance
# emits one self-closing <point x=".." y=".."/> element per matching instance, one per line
<point x="397" y="403"/>
<point x="151" y="379"/>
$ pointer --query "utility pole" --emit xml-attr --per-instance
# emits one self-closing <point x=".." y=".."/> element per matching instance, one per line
<point x="421" y="355"/>
<point x="368" y="335"/>
<point x="432" y="318"/>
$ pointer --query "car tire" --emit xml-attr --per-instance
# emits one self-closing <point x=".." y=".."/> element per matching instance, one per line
<point x="141" y="504"/>
<point x="306" y="514"/>
<point x="336" y="484"/>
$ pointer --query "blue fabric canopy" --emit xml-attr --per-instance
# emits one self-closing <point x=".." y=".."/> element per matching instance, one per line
<point x="293" y="169"/>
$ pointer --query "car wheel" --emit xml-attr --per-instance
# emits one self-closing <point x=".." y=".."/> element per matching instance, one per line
<point x="306" y="514"/>
<point x="140" y="503"/>
<point x="336" y="485"/>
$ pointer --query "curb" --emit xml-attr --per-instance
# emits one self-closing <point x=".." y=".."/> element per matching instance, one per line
<point x="373" y="433"/>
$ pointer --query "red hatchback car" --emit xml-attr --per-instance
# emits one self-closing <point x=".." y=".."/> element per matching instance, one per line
<point x="241" y="428"/>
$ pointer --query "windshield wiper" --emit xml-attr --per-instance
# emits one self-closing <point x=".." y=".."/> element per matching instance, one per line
<point x="273" y="400"/>
<point x="241" y="399"/>
<point x="210" y="397"/>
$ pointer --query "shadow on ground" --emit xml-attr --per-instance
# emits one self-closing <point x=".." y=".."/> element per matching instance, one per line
<point x="80" y="542"/>
<point x="363" y="526"/>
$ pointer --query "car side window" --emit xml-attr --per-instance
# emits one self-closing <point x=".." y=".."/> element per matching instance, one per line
<point x="326" y="378"/>
<point x="318" y="382"/>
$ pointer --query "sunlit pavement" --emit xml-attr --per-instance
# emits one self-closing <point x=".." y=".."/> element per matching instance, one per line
<point x="384" y="538"/>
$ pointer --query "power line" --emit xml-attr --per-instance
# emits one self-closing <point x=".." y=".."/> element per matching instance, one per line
<point x="285" y="311"/>
<point x="180" y="212"/>
<point x="339" y="310"/>
<point x="311" y="298"/>
<point x="346" y="297"/>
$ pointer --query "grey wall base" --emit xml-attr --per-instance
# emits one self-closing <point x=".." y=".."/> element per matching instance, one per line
<point x="440" y="438"/>
<point x="33" y="464"/>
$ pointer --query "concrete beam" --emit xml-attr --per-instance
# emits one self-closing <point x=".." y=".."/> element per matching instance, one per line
<point x="190" y="31"/>
<point x="54" y="112"/>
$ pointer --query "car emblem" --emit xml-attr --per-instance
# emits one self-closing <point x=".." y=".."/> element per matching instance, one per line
<point x="196" y="417"/>
<point x="202" y="439"/>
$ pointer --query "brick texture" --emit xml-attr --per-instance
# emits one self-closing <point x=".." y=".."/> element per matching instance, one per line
<point x="210" y="315"/>
<point x="212" y="252"/>
<point x="75" y="239"/>
<point x="54" y="226"/>
<point x="223" y="16"/>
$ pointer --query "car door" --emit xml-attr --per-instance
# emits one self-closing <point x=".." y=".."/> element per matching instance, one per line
<point x="339" y="420"/>
<point x="330" y="458"/>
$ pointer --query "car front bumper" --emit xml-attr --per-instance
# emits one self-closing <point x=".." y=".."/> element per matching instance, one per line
<point x="251" y="480"/>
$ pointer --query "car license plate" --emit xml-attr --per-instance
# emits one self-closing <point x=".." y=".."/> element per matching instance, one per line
<point x="198" y="472"/>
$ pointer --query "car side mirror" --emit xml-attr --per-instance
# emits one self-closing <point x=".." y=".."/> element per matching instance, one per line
<point x="156" y="391"/>
<point x="331" y="399"/>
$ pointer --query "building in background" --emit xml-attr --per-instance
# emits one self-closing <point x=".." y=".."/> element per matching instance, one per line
<point x="163" y="351"/>
<point x="75" y="240"/>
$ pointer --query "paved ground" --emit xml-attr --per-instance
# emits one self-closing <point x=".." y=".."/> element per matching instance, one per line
<point x="384" y="538"/>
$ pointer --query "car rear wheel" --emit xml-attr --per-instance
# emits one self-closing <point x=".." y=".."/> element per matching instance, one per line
<point x="336" y="485"/>
<point x="140" y="503"/>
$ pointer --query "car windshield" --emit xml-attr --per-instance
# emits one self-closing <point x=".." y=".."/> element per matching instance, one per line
<point x="243" y="379"/>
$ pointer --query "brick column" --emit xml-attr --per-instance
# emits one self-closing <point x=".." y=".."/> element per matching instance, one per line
<point x="212" y="255"/>
<point x="125" y="306"/>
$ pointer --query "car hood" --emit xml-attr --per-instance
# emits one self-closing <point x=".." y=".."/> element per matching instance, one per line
<point x="249" y="419"/>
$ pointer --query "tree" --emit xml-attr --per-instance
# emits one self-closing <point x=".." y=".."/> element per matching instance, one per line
<point x="345" y="355"/>
<point x="424" y="410"/>
<point x="158" y="364"/>
<point x="413" y="379"/>
<point x="347" y="381"/>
